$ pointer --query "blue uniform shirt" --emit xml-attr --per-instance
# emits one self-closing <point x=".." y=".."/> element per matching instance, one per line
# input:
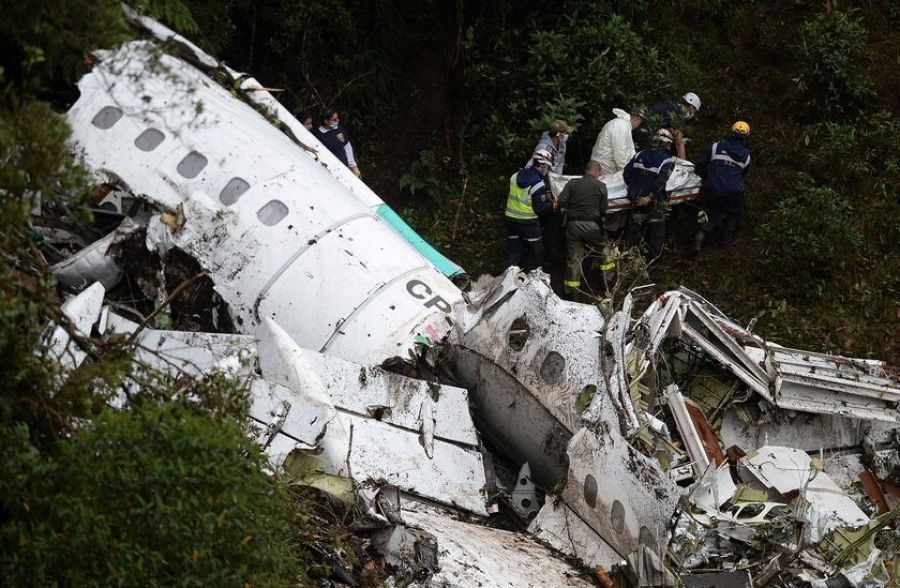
<point x="336" y="141"/>
<point x="647" y="173"/>
<point x="722" y="166"/>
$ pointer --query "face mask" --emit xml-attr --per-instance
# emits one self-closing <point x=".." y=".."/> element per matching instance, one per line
<point x="565" y="139"/>
<point x="333" y="126"/>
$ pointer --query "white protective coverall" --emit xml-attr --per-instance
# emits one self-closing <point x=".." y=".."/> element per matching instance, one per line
<point x="614" y="147"/>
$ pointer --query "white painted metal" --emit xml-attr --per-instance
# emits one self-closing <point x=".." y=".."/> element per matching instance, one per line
<point x="82" y="311"/>
<point x="192" y="354"/>
<point x="527" y="396"/>
<point x="383" y="453"/>
<point x="713" y="489"/>
<point x="787" y="470"/>
<point x="91" y="264"/>
<point x="619" y="493"/>
<point x="330" y="271"/>
<point x="561" y="528"/>
<point x="473" y="555"/>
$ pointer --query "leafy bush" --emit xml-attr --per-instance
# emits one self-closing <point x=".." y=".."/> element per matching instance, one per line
<point x="523" y="76"/>
<point x="422" y="175"/>
<point x="153" y="496"/>
<point x="833" y="49"/>
<point x="809" y="228"/>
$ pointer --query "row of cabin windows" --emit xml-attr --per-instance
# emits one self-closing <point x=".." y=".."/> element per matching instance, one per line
<point x="272" y="212"/>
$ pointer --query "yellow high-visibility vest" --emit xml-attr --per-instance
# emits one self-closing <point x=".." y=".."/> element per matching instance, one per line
<point x="518" y="205"/>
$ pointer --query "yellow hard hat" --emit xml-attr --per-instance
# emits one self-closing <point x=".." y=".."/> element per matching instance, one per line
<point x="741" y="128"/>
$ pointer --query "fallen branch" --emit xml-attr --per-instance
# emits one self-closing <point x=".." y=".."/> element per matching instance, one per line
<point x="462" y="198"/>
<point x="181" y="287"/>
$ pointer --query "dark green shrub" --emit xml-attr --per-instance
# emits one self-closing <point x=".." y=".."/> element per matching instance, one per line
<point x="809" y="229"/>
<point x="157" y="495"/>
<point x="833" y="49"/>
<point x="523" y="76"/>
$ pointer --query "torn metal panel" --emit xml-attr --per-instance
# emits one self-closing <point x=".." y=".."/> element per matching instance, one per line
<point x="372" y="391"/>
<point x="802" y="430"/>
<point x="713" y="489"/>
<point x="473" y="555"/>
<point x="412" y="553"/>
<point x="92" y="264"/>
<point x="663" y="321"/>
<point x="689" y="436"/>
<point x="621" y="494"/>
<point x="759" y="386"/>
<point x="646" y="569"/>
<point x="833" y="384"/>
<point x="454" y="476"/>
<point x="188" y="353"/>
<point x="290" y="412"/>
<point x="82" y="311"/>
<point x="614" y="368"/>
<point x="526" y="383"/>
<point x="788" y="471"/>
<point x="560" y="527"/>
<point x="703" y="326"/>
<point x="706" y="434"/>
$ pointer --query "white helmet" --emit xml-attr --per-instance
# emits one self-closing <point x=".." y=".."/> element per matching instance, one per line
<point x="664" y="136"/>
<point x="542" y="156"/>
<point x="692" y="99"/>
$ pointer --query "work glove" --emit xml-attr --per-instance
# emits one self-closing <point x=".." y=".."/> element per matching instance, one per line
<point x="356" y="172"/>
<point x="642" y="201"/>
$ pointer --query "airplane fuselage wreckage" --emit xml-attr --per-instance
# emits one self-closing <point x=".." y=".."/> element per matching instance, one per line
<point x="664" y="445"/>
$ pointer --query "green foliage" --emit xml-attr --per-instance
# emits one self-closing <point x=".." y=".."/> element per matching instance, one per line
<point x="174" y="13"/>
<point x="153" y="496"/>
<point x="526" y="76"/>
<point x="810" y="227"/>
<point x="832" y="52"/>
<point x="422" y="175"/>
<point x="45" y="42"/>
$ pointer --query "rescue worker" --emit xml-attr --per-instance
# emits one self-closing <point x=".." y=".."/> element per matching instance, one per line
<point x="527" y="202"/>
<point x="669" y="115"/>
<point x="673" y="115"/>
<point x="331" y="134"/>
<point x="722" y="166"/>
<point x="584" y="201"/>
<point x="307" y="119"/>
<point x="615" y="147"/>
<point x="554" y="140"/>
<point x="646" y="176"/>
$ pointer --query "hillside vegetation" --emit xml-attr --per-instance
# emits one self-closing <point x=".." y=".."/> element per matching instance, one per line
<point x="443" y="100"/>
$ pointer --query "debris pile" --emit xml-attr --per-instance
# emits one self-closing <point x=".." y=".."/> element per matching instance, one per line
<point x="467" y="431"/>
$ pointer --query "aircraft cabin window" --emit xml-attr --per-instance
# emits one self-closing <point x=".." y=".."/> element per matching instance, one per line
<point x="149" y="140"/>
<point x="106" y="117"/>
<point x="192" y="164"/>
<point x="272" y="213"/>
<point x="233" y="190"/>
